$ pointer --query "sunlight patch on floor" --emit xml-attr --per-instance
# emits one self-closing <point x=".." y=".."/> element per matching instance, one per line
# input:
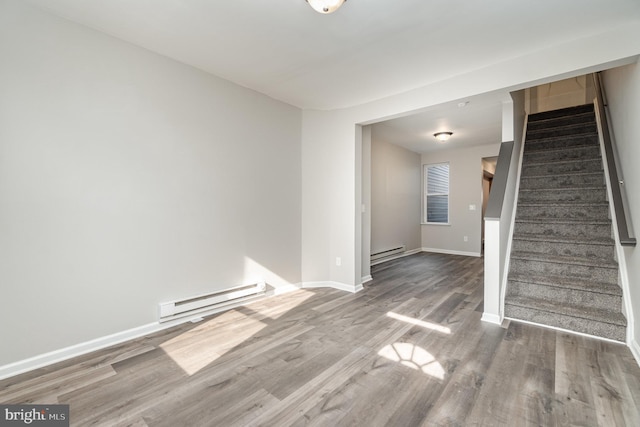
<point x="413" y="357"/>
<point x="421" y="323"/>
<point x="202" y="345"/>
<point x="285" y="304"/>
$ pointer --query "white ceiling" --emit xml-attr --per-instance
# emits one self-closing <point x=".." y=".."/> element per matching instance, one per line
<point x="367" y="50"/>
<point x="473" y="121"/>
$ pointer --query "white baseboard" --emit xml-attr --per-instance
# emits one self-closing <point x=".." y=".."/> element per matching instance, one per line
<point x="56" y="356"/>
<point x="366" y="279"/>
<point x="335" y="285"/>
<point x="451" y="252"/>
<point x="26" y="365"/>
<point x="391" y="258"/>
<point x="635" y="350"/>
<point x="491" y="318"/>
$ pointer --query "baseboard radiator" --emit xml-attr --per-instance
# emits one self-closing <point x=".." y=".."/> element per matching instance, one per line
<point x="210" y="302"/>
<point x="387" y="252"/>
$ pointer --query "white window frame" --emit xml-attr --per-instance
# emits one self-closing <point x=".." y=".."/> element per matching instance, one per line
<point x="425" y="167"/>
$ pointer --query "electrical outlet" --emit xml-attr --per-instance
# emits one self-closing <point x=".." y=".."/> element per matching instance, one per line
<point x="466" y="238"/>
<point x="338" y="261"/>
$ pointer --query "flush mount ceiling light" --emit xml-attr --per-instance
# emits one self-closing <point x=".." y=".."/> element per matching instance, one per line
<point x="443" y="136"/>
<point x="325" y="6"/>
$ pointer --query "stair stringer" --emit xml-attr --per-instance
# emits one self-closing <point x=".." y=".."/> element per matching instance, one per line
<point x="623" y="277"/>
<point x="505" y="274"/>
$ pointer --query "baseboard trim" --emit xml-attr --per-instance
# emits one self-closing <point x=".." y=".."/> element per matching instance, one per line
<point x="491" y="318"/>
<point x="335" y="285"/>
<point x="391" y="258"/>
<point x="451" y="252"/>
<point x="635" y="350"/>
<point x="366" y="279"/>
<point x="65" y="353"/>
<point x="55" y="356"/>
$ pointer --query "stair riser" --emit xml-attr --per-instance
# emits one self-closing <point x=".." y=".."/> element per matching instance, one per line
<point x="561" y="121"/>
<point x="577" y="195"/>
<point x="563" y="131"/>
<point x="597" y="212"/>
<point x="563" y="181"/>
<point x="571" y="271"/>
<point x="566" y="112"/>
<point x="565" y="296"/>
<point x="564" y="167"/>
<point x="563" y="249"/>
<point x="533" y="145"/>
<point x="588" y="152"/>
<point x="594" y="231"/>
<point x="591" y="327"/>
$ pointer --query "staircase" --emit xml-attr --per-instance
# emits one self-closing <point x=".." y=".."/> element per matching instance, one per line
<point x="563" y="271"/>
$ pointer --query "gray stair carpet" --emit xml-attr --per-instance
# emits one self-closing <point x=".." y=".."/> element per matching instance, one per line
<point x="563" y="271"/>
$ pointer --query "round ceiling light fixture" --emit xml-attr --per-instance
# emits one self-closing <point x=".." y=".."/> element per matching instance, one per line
<point x="443" y="136"/>
<point x="325" y="6"/>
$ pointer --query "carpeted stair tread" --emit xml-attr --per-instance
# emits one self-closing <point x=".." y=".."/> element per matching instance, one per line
<point x="562" y="149"/>
<point x="563" y="239"/>
<point x="614" y="317"/>
<point x="567" y="283"/>
<point x="563" y="112"/>
<point x="596" y="327"/>
<point x="575" y="324"/>
<point x="589" y="139"/>
<point x="561" y="121"/>
<point x="561" y="133"/>
<point x="565" y="260"/>
<point x="563" y="221"/>
<point x="569" y="204"/>
<point x="567" y="189"/>
<point x="568" y="130"/>
<point x="575" y="152"/>
<point x="560" y="161"/>
<point x="568" y="174"/>
<point x="559" y="194"/>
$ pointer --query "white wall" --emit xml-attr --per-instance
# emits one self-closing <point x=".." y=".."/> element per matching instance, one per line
<point x="622" y="87"/>
<point x="465" y="188"/>
<point x="559" y="94"/>
<point x="127" y="179"/>
<point x="366" y="202"/>
<point x="395" y="196"/>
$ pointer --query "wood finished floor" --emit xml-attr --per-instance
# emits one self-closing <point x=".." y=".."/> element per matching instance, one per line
<point x="409" y="350"/>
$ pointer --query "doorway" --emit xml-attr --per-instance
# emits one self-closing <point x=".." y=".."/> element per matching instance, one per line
<point x="488" y="170"/>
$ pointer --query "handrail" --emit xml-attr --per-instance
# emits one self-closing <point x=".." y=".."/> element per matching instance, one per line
<point x="616" y="183"/>
<point x="499" y="186"/>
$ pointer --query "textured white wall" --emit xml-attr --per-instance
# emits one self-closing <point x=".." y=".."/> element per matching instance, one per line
<point x="395" y="196"/>
<point x="622" y="86"/>
<point x="127" y="179"/>
<point x="465" y="188"/>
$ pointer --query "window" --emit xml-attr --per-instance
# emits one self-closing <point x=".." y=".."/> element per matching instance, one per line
<point x="436" y="193"/>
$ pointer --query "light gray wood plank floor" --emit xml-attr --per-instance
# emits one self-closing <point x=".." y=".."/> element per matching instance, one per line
<point x="409" y="350"/>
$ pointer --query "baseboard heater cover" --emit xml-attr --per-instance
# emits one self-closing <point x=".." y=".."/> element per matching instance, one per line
<point x="186" y="307"/>
<point x="387" y="252"/>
